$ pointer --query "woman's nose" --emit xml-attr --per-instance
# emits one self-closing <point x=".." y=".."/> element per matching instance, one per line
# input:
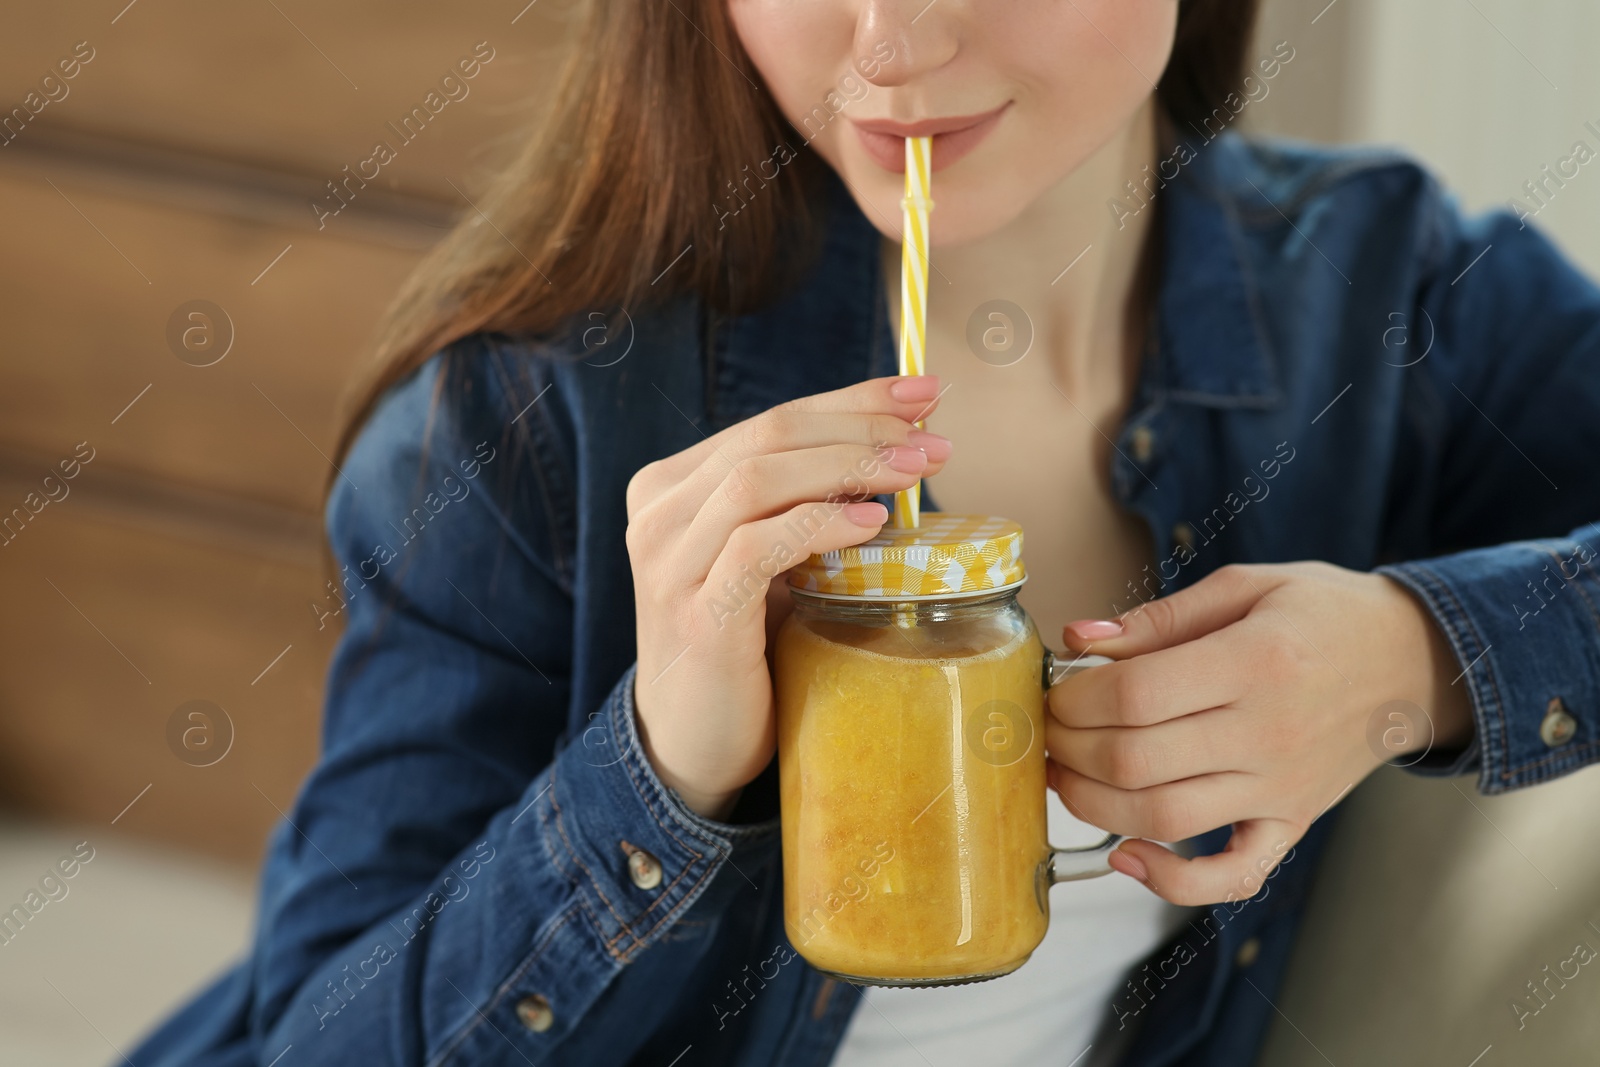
<point x="897" y="40"/>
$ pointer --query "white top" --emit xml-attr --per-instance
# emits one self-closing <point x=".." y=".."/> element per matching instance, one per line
<point x="1047" y="1010"/>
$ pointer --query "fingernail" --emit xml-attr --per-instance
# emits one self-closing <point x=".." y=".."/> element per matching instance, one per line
<point x="1129" y="865"/>
<point x="1095" y="629"/>
<point x="936" y="448"/>
<point x="867" y="513"/>
<point x="905" y="459"/>
<point x="915" y="387"/>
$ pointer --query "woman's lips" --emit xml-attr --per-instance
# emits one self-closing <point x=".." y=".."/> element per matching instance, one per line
<point x="885" y="141"/>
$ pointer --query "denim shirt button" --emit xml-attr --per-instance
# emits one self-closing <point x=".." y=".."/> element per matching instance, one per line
<point x="644" y="869"/>
<point x="534" y="1013"/>
<point x="1558" y="726"/>
<point x="1183" y="534"/>
<point x="1144" y="443"/>
<point x="1248" y="952"/>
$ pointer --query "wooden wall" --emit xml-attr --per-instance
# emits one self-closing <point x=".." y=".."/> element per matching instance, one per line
<point x="179" y="163"/>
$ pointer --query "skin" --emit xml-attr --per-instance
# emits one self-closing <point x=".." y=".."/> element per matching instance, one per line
<point x="721" y="516"/>
<point x="1242" y="700"/>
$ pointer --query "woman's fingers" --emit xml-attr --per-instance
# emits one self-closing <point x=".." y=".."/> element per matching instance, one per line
<point x="1207" y="742"/>
<point x="759" y="551"/>
<point x="1155" y="687"/>
<point x="707" y="724"/>
<point x="1222" y="597"/>
<point x="734" y="471"/>
<point x="873" y="412"/>
<point x="1169" y="812"/>
<point x="1254" y="852"/>
<point x="761" y="486"/>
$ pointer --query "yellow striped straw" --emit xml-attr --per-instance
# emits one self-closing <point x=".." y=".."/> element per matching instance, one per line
<point x="914" y="293"/>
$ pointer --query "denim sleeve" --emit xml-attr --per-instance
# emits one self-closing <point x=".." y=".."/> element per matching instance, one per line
<point x="452" y="885"/>
<point x="1507" y="398"/>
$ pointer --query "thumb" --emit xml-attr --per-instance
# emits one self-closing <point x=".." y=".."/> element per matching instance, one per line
<point x="1219" y="599"/>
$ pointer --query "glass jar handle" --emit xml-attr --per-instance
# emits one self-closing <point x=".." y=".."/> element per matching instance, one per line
<point x="1085" y="861"/>
<point x="1057" y="668"/>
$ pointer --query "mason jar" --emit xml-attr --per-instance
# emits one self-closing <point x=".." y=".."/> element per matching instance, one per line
<point x="910" y="691"/>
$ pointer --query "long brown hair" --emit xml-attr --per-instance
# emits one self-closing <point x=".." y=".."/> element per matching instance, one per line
<point x="658" y="112"/>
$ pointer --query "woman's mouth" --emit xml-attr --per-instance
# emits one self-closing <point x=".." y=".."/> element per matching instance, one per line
<point x="954" y="137"/>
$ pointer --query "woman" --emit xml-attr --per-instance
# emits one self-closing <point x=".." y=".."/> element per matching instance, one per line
<point x="543" y="828"/>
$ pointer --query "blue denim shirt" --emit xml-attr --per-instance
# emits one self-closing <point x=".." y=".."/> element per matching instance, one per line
<point x="1344" y="368"/>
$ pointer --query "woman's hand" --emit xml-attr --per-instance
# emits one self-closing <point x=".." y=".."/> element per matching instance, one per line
<point x="1246" y="699"/>
<point x="711" y="527"/>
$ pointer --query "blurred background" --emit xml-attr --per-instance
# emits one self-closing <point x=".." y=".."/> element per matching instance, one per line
<point x="177" y="322"/>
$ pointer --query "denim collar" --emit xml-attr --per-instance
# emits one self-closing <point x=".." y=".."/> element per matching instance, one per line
<point x="1211" y="344"/>
<point x="1212" y="331"/>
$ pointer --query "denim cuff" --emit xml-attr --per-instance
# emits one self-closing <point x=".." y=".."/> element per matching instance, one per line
<point x="607" y="805"/>
<point x="1524" y="622"/>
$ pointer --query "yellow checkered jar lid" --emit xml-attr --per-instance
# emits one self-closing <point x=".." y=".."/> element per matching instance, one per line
<point x="947" y="555"/>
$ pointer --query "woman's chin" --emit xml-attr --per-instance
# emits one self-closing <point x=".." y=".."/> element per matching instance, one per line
<point x="960" y="216"/>
<point x="969" y="204"/>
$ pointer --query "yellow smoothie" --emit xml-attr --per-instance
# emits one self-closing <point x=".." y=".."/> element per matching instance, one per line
<point x="912" y="772"/>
